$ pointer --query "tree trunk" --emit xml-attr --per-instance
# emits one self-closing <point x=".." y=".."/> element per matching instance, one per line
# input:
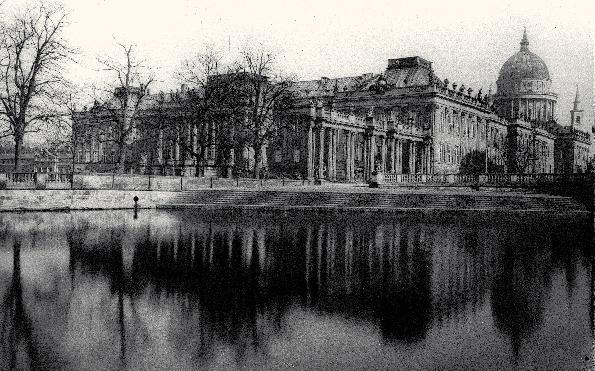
<point x="18" y="145"/>
<point x="121" y="158"/>
<point x="257" y="158"/>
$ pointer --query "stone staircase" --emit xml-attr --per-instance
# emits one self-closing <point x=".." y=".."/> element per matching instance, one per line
<point x="345" y="200"/>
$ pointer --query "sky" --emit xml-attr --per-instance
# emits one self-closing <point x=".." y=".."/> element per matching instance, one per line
<point x="467" y="41"/>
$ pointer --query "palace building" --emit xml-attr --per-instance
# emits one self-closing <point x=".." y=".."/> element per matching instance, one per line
<point x="404" y="120"/>
<point x="407" y="120"/>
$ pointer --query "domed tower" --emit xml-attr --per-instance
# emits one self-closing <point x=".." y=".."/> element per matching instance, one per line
<point x="524" y="87"/>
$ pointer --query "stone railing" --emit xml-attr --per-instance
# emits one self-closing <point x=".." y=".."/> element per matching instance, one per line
<point x="35" y="181"/>
<point x="410" y="130"/>
<point x="485" y="180"/>
<point x="343" y="118"/>
<point x="136" y="182"/>
<point x="21" y="177"/>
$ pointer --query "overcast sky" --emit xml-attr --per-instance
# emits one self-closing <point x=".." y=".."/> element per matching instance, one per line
<point x="467" y="41"/>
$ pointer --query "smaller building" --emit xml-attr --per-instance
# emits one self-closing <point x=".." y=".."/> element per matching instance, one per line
<point x="572" y="153"/>
<point x="38" y="161"/>
<point x="7" y="162"/>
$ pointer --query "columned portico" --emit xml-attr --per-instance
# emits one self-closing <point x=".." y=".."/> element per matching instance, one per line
<point x="333" y="141"/>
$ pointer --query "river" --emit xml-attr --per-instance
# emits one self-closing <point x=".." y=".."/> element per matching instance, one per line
<point x="183" y="290"/>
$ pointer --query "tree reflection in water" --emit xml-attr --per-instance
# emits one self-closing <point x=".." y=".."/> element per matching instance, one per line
<point x="20" y="348"/>
<point x="16" y="330"/>
<point x="522" y="280"/>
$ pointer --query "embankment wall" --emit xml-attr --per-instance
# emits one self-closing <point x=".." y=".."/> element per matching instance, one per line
<point x="33" y="200"/>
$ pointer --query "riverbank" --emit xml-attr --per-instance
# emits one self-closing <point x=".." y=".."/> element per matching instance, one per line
<point x="47" y="200"/>
<point x="316" y="198"/>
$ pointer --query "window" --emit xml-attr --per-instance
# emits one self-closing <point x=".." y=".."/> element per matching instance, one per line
<point x="277" y="156"/>
<point x="296" y="155"/>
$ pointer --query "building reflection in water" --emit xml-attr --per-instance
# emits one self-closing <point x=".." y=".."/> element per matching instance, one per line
<point x="175" y="288"/>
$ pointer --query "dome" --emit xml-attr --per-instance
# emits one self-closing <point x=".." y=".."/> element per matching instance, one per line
<point x="524" y="65"/>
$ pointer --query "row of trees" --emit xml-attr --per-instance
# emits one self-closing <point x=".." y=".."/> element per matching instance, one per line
<point x="241" y="100"/>
<point x="242" y="103"/>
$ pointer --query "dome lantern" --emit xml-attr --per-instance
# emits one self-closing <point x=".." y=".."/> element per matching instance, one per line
<point x="525" y="41"/>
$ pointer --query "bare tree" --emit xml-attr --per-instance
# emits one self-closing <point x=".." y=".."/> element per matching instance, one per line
<point x="267" y="96"/>
<point x="121" y="112"/>
<point x="33" y="53"/>
<point x="66" y="128"/>
<point x="209" y="105"/>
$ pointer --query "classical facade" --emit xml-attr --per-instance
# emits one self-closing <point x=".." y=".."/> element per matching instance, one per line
<point x="407" y="120"/>
<point x="404" y="120"/>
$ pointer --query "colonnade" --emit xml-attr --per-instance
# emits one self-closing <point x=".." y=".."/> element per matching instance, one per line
<point x="533" y="109"/>
<point x="342" y="153"/>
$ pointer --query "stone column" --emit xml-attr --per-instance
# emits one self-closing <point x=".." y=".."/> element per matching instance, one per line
<point x="352" y="145"/>
<point x="412" y="154"/>
<point x="425" y="159"/>
<point x="398" y="154"/>
<point x="369" y="145"/>
<point x="335" y="153"/>
<point x="407" y="147"/>
<point x="429" y="158"/>
<point x="421" y="156"/>
<point x="310" y="150"/>
<point x="329" y="152"/>
<point x="329" y="155"/>
<point x="393" y="155"/>
<point x="321" y="151"/>
<point x="372" y="153"/>
<point x="383" y="153"/>
<point x="348" y="156"/>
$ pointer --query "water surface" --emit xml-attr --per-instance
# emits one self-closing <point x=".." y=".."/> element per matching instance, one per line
<point x="102" y="290"/>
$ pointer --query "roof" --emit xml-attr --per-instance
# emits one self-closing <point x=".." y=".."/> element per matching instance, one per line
<point x="326" y="86"/>
<point x="524" y="65"/>
<point x="400" y="72"/>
